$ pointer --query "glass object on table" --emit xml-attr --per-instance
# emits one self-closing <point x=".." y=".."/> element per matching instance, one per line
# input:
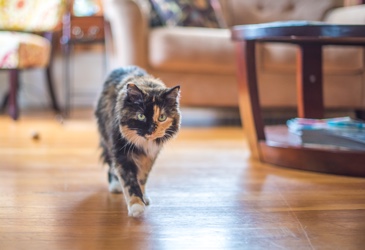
<point x="85" y="7"/>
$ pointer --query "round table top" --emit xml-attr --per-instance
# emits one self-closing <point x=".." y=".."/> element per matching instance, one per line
<point x="301" y="32"/>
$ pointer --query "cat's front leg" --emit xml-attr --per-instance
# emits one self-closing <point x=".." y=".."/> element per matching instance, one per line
<point x="114" y="184"/>
<point x="131" y="189"/>
<point x="146" y="199"/>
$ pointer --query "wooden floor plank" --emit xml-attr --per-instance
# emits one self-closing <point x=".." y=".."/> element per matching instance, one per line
<point x="206" y="194"/>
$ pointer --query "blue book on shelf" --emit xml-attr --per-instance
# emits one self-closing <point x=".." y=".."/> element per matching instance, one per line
<point x="342" y="132"/>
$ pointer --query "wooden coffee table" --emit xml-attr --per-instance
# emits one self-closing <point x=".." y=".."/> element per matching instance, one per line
<point x="310" y="38"/>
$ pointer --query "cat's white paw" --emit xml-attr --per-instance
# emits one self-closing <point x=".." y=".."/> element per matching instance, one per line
<point x="146" y="200"/>
<point x="136" y="210"/>
<point x="115" y="187"/>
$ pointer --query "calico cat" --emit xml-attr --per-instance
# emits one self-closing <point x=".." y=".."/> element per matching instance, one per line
<point x="136" y="114"/>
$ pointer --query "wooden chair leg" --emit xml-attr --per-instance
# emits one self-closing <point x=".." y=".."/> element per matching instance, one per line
<point x="5" y="102"/>
<point x="49" y="36"/>
<point x="13" y="108"/>
<point x="51" y="91"/>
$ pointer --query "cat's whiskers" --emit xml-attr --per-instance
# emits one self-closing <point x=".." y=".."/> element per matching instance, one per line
<point x="131" y="138"/>
<point x="137" y="141"/>
<point x="169" y="134"/>
<point x="166" y="138"/>
<point x="134" y="142"/>
<point x="170" y="130"/>
<point x="125" y="146"/>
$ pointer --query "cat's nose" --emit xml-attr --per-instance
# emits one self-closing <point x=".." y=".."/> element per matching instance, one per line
<point x="151" y="129"/>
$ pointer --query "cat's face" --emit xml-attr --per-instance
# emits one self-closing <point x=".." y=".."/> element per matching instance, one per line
<point x="150" y="114"/>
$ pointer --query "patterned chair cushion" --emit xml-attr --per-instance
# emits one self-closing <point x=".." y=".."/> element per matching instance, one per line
<point x="31" y="15"/>
<point x="197" y="13"/>
<point x="23" y="50"/>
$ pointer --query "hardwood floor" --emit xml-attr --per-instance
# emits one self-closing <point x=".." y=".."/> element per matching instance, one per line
<point x="206" y="194"/>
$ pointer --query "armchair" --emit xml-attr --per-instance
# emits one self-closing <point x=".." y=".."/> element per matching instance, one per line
<point x="26" y="35"/>
<point x="202" y="60"/>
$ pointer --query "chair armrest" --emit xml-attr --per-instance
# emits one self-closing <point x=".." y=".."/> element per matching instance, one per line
<point x="347" y="15"/>
<point x="128" y="20"/>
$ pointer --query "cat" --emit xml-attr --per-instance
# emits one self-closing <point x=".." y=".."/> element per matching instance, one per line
<point x="136" y="115"/>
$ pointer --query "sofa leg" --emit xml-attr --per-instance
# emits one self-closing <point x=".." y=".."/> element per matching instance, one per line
<point x="13" y="108"/>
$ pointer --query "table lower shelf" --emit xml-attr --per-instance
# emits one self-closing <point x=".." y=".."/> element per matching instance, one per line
<point x="284" y="149"/>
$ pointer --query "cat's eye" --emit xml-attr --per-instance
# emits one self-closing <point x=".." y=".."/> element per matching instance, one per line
<point x="141" y="117"/>
<point x="162" y="118"/>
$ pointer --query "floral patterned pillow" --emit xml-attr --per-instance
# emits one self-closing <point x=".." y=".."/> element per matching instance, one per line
<point x="196" y="13"/>
<point x="31" y="15"/>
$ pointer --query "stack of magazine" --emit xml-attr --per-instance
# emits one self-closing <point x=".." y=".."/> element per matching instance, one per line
<point x="340" y="133"/>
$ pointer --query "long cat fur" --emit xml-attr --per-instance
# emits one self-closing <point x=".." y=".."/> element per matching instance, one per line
<point x="129" y="143"/>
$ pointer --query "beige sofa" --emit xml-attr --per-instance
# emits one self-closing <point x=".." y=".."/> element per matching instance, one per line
<point x="202" y="60"/>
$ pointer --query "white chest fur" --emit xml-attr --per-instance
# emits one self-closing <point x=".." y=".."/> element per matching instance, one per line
<point x="151" y="150"/>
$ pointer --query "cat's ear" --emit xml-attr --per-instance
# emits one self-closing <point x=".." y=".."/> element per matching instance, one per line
<point x="134" y="94"/>
<point x="173" y="94"/>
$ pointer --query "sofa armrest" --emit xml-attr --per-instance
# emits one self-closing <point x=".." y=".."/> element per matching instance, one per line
<point x="128" y="20"/>
<point x="347" y="15"/>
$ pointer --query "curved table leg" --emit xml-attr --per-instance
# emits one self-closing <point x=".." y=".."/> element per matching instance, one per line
<point x="309" y="81"/>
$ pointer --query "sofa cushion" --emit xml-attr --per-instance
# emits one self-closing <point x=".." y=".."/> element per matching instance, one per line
<point x="187" y="13"/>
<point x="336" y="59"/>
<point x="193" y="49"/>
